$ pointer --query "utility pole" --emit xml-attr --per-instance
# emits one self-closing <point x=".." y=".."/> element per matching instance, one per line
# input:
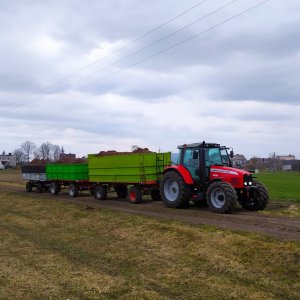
<point x="274" y="163"/>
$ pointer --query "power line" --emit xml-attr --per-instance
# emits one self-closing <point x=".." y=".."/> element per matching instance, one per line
<point x="178" y="44"/>
<point x="113" y="52"/>
<point x="152" y="44"/>
<point x="157" y="41"/>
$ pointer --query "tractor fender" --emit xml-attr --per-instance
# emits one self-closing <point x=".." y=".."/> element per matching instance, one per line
<point x="182" y="171"/>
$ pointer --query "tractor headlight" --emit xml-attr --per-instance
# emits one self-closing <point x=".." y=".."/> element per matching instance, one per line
<point x="245" y="183"/>
<point x="250" y="182"/>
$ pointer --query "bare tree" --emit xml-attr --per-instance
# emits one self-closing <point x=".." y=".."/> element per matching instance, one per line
<point x="28" y="148"/>
<point x="134" y="147"/>
<point x="55" y="152"/>
<point x="48" y="151"/>
<point x="45" y="151"/>
<point x="20" y="157"/>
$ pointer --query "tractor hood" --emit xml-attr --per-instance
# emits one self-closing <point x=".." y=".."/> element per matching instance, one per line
<point x="235" y="177"/>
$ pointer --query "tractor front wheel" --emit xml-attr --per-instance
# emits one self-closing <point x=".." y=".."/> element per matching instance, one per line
<point x="256" y="199"/>
<point x="174" y="191"/>
<point x="221" y="197"/>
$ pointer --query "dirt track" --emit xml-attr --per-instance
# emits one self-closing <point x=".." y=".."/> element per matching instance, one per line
<point x="279" y="227"/>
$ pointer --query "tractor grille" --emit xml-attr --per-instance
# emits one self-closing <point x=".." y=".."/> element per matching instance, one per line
<point x="247" y="180"/>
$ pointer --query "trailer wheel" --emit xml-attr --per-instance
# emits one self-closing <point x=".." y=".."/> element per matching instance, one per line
<point x="174" y="191"/>
<point x="121" y="190"/>
<point x="221" y="197"/>
<point x="155" y="195"/>
<point x="100" y="192"/>
<point x="135" y="195"/>
<point x="28" y="187"/>
<point x="39" y="187"/>
<point x="257" y="199"/>
<point x="54" y="188"/>
<point x="73" y="190"/>
<point x="92" y="191"/>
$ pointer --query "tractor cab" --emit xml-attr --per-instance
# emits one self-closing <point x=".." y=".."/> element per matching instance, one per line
<point x="199" y="157"/>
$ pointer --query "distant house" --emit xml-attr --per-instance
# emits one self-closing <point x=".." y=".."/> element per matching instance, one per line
<point x="8" y="160"/>
<point x="238" y="161"/>
<point x="286" y="157"/>
<point x="290" y="165"/>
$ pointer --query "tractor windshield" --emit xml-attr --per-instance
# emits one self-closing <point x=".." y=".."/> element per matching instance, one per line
<point x="213" y="157"/>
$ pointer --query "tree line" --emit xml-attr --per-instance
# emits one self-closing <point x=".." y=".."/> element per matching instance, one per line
<point x="46" y="151"/>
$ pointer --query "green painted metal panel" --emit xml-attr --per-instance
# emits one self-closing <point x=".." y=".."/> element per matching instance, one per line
<point x="67" y="171"/>
<point x="128" y="168"/>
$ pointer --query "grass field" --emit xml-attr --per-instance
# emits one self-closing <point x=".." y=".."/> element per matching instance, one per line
<point x="282" y="185"/>
<point x="53" y="250"/>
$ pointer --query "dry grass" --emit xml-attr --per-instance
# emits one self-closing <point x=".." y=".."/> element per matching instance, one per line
<point x="11" y="176"/>
<point x="53" y="250"/>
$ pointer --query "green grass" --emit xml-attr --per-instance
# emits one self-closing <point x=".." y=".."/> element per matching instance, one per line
<point x="282" y="185"/>
<point x="54" y="250"/>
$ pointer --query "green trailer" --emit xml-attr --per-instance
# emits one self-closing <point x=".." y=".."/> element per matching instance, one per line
<point x="140" y="172"/>
<point x="67" y="172"/>
<point x="71" y="176"/>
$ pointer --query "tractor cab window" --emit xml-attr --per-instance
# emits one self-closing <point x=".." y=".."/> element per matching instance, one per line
<point x="225" y="157"/>
<point x="191" y="161"/>
<point x="213" y="157"/>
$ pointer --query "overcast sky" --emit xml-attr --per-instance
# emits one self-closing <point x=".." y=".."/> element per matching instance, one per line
<point x="88" y="75"/>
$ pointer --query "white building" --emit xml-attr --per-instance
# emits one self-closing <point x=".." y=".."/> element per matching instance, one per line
<point x="8" y="160"/>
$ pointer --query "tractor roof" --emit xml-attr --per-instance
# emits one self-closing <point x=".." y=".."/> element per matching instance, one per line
<point x="197" y="145"/>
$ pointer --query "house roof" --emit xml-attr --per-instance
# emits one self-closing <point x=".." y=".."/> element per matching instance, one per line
<point x="239" y="157"/>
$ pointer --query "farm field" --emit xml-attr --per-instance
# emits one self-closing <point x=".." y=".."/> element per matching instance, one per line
<point x="52" y="248"/>
<point x="283" y="186"/>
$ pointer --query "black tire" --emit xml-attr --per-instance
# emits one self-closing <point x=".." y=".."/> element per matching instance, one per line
<point x="221" y="197"/>
<point x="135" y="195"/>
<point x="92" y="191"/>
<point x="54" y="188"/>
<point x="100" y="192"/>
<point x="174" y="191"/>
<point x="257" y="199"/>
<point x="155" y="195"/>
<point x="29" y="187"/>
<point x="73" y="190"/>
<point x="121" y="190"/>
<point x="39" y="187"/>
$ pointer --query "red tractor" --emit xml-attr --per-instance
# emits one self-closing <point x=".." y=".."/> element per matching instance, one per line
<point x="205" y="175"/>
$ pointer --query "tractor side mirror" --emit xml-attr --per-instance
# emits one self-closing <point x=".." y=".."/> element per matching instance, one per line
<point x="195" y="154"/>
<point x="231" y="154"/>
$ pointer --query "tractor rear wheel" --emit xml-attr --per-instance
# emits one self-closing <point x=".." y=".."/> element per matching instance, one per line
<point x="174" y="191"/>
<point x="135" y="195"/>
<point x="257" y="199"/>
<point x="100" y="192"/>
<point x="221" y="197"/>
